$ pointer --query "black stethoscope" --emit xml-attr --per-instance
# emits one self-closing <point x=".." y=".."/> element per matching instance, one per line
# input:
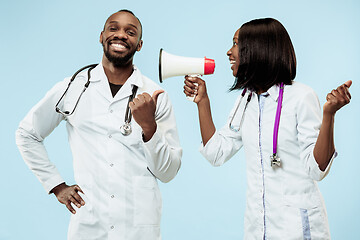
<point x="125" y="129"/>
<point x="274" y="158"/>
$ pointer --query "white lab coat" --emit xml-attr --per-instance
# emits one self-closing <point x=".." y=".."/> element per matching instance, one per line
<point x="117" y="173"/>
<point x="285" y="202"/>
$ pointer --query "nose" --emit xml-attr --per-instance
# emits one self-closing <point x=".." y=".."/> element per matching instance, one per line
<point x="229" y="52"/>
<point x="121" y="34"/>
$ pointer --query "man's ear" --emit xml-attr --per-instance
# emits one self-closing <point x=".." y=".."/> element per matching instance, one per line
<point x="139" y="46"/>
<point x="101" y="37"/>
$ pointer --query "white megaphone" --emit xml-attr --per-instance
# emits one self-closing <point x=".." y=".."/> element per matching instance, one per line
<point x="172" y="65"/>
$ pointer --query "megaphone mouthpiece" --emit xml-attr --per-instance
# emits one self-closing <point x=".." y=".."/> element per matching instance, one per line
<point x="209" y="66"/>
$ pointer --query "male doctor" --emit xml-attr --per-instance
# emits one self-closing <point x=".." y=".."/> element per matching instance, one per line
<point x="116" y="169"/>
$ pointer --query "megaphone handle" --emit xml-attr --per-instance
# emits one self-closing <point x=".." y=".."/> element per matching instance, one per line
<point x="193" y="97"/>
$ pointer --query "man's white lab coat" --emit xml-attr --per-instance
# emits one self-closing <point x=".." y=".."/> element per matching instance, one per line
<point x="117" y="173"/>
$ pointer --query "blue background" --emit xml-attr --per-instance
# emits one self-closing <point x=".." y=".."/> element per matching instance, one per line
<point x="43" y="42"/>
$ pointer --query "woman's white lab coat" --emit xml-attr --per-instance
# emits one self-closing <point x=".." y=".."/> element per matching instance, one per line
<point x="282" y="202"/>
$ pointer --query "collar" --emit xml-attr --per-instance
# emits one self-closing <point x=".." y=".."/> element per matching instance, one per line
<point x="98" y="74"/>
<point x="99" y="78"/>
<point x="274" y="92"/>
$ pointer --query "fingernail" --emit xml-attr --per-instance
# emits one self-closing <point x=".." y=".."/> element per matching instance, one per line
<point x="83" y="203"/>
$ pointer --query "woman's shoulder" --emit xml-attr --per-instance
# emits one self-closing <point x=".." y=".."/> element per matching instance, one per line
<point x="299" y="89"/>
<point x="298" y="86"/>
<point x="300" y="93"/>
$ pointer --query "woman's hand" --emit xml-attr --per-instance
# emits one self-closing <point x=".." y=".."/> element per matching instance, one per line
<point x="195" y="86"/>
<point x="337" y="98"/>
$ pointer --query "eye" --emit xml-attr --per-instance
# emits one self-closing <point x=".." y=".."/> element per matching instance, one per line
<point x="235" y="43"/>
<point x="131" y="32"/>
<point x="112" y="29"/>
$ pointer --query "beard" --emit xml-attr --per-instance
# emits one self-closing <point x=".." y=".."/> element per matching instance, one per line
<point x="118" y="61"/>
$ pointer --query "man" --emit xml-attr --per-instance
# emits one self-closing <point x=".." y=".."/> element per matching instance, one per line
<point x="115" y="168"/>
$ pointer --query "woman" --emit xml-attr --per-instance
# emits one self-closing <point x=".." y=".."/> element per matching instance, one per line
<point x="288" y="146"/>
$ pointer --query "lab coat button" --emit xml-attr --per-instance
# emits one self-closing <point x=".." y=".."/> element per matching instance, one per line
<point x="111" y="164"/>
<point x="112" y="227"/>
<point x="110" y="136"/>
<point x="111" y="111"/>
<point x="112" y="196"/>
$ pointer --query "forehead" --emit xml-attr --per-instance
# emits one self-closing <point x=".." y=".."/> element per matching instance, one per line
<point x="236" y="35"/>
<point x="123" y="18"/>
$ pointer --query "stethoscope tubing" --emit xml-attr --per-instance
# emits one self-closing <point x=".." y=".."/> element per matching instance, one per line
<point x="125" y="128"/>
<point x="274" y="157"/>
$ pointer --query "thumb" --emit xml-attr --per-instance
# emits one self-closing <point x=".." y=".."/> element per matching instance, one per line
<point x="156" y="94"/>
<point x="348" y="83"/>
<point x="77" y="188"/>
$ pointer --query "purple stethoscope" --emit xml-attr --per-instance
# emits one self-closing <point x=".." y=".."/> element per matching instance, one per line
<point x="274" y="158"/>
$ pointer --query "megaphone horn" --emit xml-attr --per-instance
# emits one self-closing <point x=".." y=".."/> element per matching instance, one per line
<point x="171" y="65"/>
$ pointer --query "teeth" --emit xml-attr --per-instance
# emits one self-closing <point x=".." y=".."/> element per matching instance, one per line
<point x="232" y="62"/>
<point x="118" y="45"/>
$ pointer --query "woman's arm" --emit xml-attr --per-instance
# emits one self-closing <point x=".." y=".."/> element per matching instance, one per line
<point x="196" y="86"/>
<point x="324" y="147"/>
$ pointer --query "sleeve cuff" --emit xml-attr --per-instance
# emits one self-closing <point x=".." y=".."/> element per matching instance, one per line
<point x="154" y="140"/>
<point x="52" y="182"/>
<point x="318" y="173"/>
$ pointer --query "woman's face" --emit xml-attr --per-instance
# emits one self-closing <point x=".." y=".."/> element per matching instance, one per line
<point x="233" y="54"/>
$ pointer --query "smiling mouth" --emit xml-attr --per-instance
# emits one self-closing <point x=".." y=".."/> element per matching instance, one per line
<point x="232" y="62"/>
<point x="118" y="47"/>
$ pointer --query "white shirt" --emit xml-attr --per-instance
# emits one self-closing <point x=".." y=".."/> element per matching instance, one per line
<point x="122" y="197"/>
<point x="282" y="202"/>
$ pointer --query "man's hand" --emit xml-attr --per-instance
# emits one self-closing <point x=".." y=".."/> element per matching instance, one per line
<point x="337" y="98"/>
<point x="69" y="194"/>
<point x="143" y="110"/>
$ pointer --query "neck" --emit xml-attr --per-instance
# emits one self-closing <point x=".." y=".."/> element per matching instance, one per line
<point x="117" y="74"/>
<point x="260" y="91"/>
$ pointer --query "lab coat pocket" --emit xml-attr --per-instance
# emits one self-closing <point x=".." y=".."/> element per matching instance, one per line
<point x="83" y="223"/>
<point x="147" y="201"/>
<point x="304" y="218"/>
<point x="84" y="214"/>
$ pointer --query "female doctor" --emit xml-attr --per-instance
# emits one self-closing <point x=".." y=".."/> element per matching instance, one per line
<point x="288" y="146"/>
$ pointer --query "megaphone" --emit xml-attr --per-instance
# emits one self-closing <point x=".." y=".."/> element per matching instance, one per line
<point x="172" y="65"/>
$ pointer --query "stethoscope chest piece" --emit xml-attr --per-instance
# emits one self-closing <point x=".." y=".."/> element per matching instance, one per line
<point x="275" y="160"/>
<point x="125" y="129"/>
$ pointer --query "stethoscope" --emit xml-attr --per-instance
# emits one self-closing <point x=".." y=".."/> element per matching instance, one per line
<point x="274" y="158"/>
<point x="125" y="129"/>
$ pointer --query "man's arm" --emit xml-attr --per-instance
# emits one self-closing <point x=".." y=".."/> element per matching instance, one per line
<point x="161" y="142"/>
<point x="33" y="129"/>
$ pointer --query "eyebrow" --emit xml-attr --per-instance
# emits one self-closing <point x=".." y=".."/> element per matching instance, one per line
<point x="128" y="24"/>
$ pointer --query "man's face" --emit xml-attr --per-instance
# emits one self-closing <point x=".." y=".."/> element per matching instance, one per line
<point x="121" y="38"/>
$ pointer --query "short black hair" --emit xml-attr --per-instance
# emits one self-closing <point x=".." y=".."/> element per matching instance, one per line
<point x="266" y="55"/>
<point x="128" y="11"/>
